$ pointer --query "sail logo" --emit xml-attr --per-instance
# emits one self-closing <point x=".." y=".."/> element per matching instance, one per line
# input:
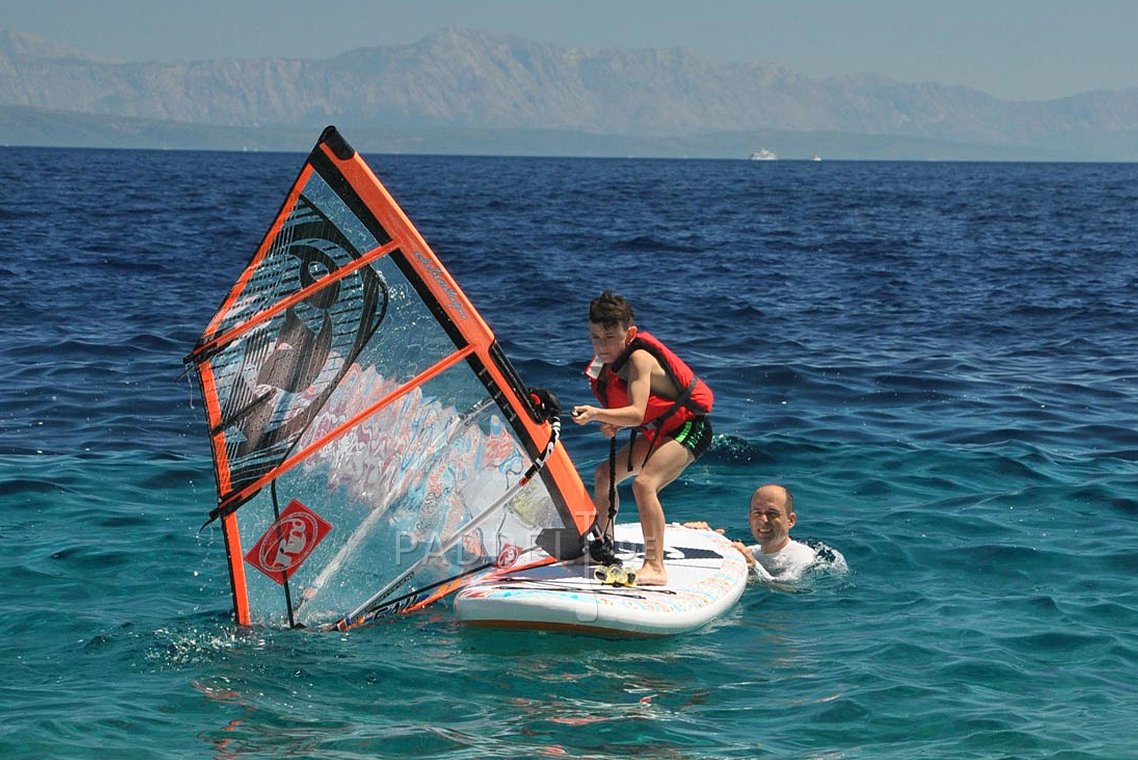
<point x="508" y="556"/>
<point x="288" y="542"/>
<point x="432" y="268"/>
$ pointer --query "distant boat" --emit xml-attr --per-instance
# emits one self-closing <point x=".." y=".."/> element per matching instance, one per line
<point x="764" y="155"/>
<point x="816" y="157"/>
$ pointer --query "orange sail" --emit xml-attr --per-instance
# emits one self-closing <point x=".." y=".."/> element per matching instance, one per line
<point x="369" y="436"/>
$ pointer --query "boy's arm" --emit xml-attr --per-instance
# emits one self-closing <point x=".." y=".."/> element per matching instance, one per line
<point x="641" y="365"/>
<point x="639" y="387"/>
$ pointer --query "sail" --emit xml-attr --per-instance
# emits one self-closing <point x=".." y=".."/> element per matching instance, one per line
<point x="370" y="439"/>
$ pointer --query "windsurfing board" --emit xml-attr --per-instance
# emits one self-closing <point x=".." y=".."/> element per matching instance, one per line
<point x="706" y="577"/>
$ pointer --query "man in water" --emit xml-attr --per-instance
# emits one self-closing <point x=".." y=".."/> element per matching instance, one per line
<point x="777" y="556"/>
<point x="644" y="386"/>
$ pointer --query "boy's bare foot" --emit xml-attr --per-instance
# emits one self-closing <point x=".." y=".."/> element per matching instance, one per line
<point x="649" y="576"/>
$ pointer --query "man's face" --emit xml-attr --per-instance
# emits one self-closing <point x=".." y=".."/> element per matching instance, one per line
<point x="770" y="524"/>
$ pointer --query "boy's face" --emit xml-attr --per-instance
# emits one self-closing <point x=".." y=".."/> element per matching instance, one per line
<point x="770" y="524"/>
<point x="608" y="342"/>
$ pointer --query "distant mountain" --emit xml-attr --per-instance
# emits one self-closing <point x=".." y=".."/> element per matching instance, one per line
<point x="460" y="89"/>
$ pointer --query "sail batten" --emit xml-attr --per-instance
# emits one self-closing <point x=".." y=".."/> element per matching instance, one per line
<point x="218" y="342"/>
<point x="347" y="370"/>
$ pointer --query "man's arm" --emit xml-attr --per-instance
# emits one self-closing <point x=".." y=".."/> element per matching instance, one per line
<point x="739" y="545"/>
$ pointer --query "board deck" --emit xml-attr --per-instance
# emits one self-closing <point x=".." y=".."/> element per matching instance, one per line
<point x="706" y="577"/>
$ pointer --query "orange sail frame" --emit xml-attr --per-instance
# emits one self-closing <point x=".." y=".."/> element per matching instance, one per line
<point x="344" y="169"/>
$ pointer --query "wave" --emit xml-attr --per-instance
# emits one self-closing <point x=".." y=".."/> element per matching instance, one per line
<point x="652" y="243"/>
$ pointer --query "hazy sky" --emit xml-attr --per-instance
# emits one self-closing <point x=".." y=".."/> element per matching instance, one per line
<point x="1017" y="49"/>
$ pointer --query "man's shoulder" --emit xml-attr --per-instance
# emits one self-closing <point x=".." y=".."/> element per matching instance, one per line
<point x="798" y="550"/>
<point x="794" y="552"/>
<point x="788" y="562"/>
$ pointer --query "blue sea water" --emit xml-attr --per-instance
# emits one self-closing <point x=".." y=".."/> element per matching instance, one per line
<point x="938" y="358"/>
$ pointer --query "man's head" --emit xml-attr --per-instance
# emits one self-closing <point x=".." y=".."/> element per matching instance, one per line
<point x="771" y="516"/>
<point x="610" y="325"/>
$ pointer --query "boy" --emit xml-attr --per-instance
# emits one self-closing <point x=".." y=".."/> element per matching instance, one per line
<point x="642" y="385"/>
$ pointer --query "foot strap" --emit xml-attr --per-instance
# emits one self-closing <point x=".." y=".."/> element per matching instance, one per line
<point x="615" y="575"/>
<point x="603" y="552"/>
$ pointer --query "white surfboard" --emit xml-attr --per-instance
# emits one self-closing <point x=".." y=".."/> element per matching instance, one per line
<point x="706" y="576"/>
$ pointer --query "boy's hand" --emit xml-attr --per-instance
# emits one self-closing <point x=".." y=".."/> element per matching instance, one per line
<point x="582" y="414"/>
<point x="585" y="414"/>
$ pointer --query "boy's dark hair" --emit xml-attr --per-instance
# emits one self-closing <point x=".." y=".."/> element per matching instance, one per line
<point x="610" y="310"/>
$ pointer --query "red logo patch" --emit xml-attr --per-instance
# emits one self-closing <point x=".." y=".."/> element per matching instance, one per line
<point x="508" y="556"/>
<point x="287" y="543"/>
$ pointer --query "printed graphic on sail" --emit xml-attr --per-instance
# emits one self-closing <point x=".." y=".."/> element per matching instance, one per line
<point x="348" y="376"/>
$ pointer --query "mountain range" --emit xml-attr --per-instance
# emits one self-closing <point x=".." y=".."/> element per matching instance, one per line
<point x="466" y="91"/>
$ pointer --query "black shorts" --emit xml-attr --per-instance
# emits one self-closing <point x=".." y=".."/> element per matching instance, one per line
<point x="694" y="435"/>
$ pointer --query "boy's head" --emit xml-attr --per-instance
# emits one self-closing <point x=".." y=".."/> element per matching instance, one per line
<point x="610" y="310"/>
<point x="610" y="325"/>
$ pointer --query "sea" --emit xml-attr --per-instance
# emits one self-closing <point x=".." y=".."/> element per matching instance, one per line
<point x="939" y="359"/>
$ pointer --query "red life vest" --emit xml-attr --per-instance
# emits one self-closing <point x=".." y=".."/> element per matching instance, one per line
<point x="663" y="414"/>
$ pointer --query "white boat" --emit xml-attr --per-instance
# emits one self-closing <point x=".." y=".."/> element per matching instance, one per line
<point x="764" y="155"/>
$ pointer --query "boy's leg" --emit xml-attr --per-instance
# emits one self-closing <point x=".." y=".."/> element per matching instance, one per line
<point x="601" y="488"/>
<point x="605" y="524"/>
<point x="665" y="465"/>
